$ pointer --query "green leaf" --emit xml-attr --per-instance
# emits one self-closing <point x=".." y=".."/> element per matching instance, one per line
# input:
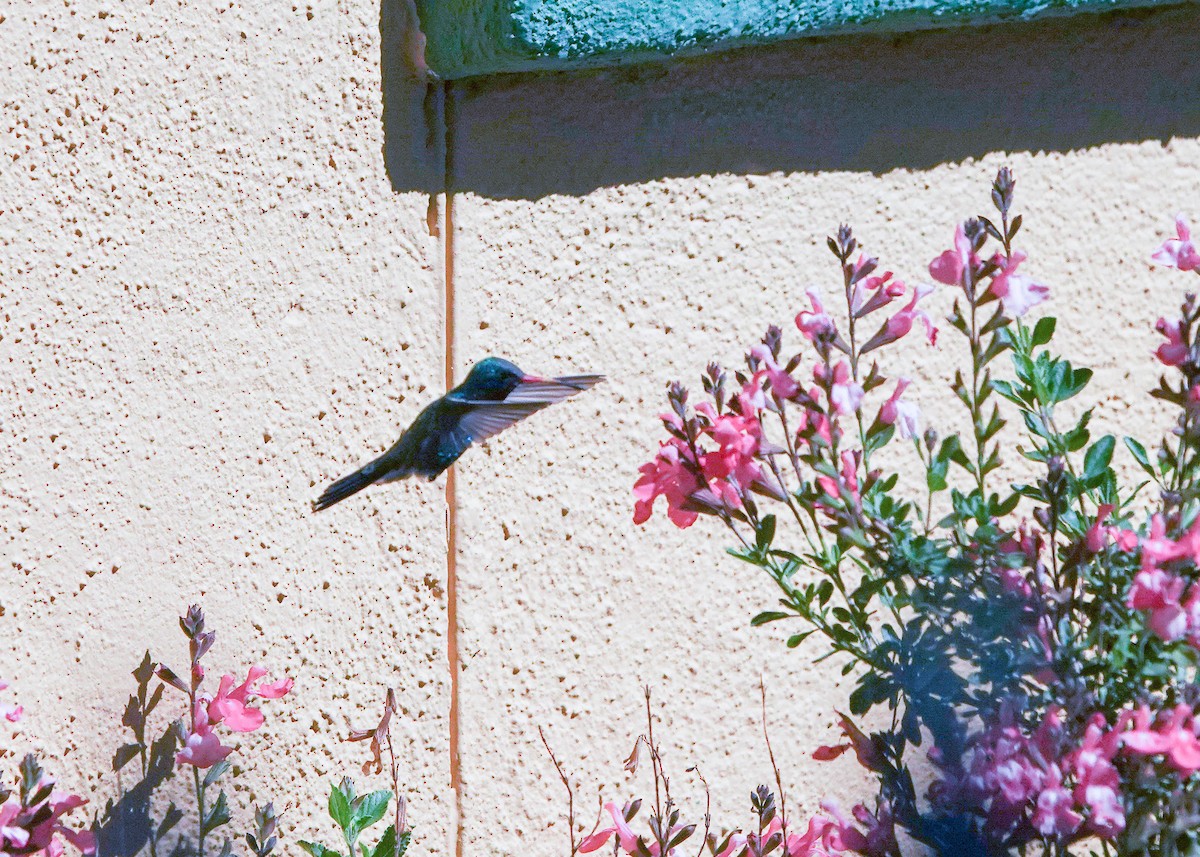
<point x="1043" y="331"/>
<point x="1099" y="457"/>
<point x="339" y="807"/>
<point x="402" y="845"/>
<point x="318" y="850"/>
<point x="796" y="639"/>
<point x="1139" y="454"/>
<point x="1077" y="438"/>
<point x="768" y="616"/>
<point x="370" y="809"/>
<point x="386" y="847"/>
<point x="214" y="773"/>
<point x="217" y="815"/>
<point x="766" y="532"/>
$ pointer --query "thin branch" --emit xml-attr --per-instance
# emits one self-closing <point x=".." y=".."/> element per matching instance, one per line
<point x="762" y="687"/>
<point x="570" y="792"/>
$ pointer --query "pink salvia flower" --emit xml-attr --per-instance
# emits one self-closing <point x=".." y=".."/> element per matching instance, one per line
<point x="899" y="325"/>
<point x="666" y="476"/>
<point x="201" y="746"/>
<point x="626" y="838"/>
<point x="874" y="293"/>
<point x="230" y="704"/>
<point x="1175" y="739"/>
<point x="845" y="394"/>
<point x="12" y="836"/>
<point x="1178" y="252"/>
<point x="906" y="416"/>
<point x="1017" y="293"/>
<point x="1158" y="548"/>
<point x="864" y="748"/>
<point x="1159" y="592"/>
<point x="949" y="267"/>
<point x="1055" y="815"/>
<point x="1097" y="535"/>
<point x="1173" y="352"/>
<point x="816" y="323"/>
<point x="783" y="385"/>
<point x="276" y="689"/>
<point x="229" y="707"/>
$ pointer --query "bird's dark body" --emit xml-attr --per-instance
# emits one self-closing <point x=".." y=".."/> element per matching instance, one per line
<point x="447" y="427"/>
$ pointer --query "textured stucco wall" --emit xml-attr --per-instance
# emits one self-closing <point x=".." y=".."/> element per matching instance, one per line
<point x="215" y="297"/>
<point x="211" y="299"/>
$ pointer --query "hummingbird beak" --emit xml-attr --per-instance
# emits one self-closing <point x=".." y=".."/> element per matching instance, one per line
<point x="533" y="379"/>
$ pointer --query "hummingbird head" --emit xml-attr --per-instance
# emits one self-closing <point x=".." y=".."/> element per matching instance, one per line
<point x="493" y="378"/>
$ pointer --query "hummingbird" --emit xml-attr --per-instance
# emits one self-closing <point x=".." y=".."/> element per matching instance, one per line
<point x="494" y="395"/>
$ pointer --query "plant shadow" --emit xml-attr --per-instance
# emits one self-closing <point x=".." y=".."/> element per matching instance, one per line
<point x="127" y="826"/>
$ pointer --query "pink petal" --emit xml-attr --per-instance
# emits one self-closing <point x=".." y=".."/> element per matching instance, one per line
<point x="275" y="690"/>
<point x="597" y="839"/>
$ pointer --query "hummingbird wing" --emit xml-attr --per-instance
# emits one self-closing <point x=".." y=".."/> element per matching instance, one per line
<point x="488" y="418"/>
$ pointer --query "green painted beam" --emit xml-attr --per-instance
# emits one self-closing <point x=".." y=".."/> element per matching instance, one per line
<point x="477" y="37"/>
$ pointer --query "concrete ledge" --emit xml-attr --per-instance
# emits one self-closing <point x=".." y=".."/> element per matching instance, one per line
<point x="478" y="37"/>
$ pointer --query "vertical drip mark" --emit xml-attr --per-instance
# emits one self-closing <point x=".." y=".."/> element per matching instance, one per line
<point x="452" y="647"/>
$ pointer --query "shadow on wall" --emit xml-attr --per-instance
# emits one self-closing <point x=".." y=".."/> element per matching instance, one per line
<point x="870" y="103"/>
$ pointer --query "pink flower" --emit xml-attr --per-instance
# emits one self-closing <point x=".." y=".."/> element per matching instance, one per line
<point x="874" y="293"/>
<point x="815" y="324"/>
<point x="12" y="835"/>
<point x="817" y="841"/>
<point x="625" y="835"/>
<point x="1178" y="252"/>
<point x="733" y="467"/>
<point x="864" y="748"/>
<point x="1098" y="535"/>
<point x="949" y="267"/>
<point x="1097" y="781"/>
<point x="1159" y="592"/>
<point x="904" y="415"/>
<point x="201" y="746"/>
<point x="1175" y="738"/>
<point x="902" y="322"/>
<point x="38" y="828"/>
<point x="1159" y="548"/>
<point x="667" y="476"/>
<point x="1055" y="814"/>
<point x="783" y="385"/>
<point x="230" y="704"/>
<point x="846" y="486"/>
<point x="1173" y="352"/>
<point x="845" y="394"/>
<point x="1018" y="293"/>
<point x="276" y="689"/>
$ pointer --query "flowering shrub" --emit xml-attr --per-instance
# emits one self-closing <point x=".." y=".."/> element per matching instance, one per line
<point x="32" y="814"/>
<point x="1040" y="640"/>
<point x="200" y="744"/>
<point x="190" y="742"/>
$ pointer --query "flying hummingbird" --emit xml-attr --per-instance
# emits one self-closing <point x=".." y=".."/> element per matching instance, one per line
<point x="494" y="395"/>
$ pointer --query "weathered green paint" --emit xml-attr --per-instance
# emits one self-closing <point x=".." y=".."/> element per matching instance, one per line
<point x="473" y="37"/>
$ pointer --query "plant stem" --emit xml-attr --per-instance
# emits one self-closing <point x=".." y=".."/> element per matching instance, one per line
<point x="976" y="366"/>
<point x="200" y="808"/>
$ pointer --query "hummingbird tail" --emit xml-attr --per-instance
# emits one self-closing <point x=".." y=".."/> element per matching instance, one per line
<point x="344" y="487"/>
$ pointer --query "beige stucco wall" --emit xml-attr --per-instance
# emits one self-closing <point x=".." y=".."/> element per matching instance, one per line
<point x="215" y="298"/>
